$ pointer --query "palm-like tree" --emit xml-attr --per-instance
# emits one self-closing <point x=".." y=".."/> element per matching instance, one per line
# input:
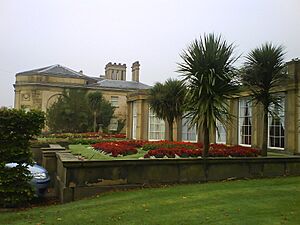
<point x="209" y="74"/>
<point x="95" y="100"/>
<point x="262" y="72"/>
<point x="167" y="100"/>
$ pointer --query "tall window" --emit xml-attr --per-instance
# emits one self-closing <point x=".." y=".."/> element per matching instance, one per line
<point x="220" y="133"/>
<point x="114" y="101"/>
<point x="245" y="121"/>
<point x="276" y="125"/>
<point x="156" y="127"/>
<point x="188" y="133"/>
<point x="134" y="120"/>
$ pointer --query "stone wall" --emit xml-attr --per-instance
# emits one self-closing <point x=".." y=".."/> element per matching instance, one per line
<point x="76" y="179"/>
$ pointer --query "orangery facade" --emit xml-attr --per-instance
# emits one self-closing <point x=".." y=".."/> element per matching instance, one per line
<point x="245" y="128"/>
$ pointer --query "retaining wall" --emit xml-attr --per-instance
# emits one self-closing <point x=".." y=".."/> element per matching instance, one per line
<point x="76" y="179"/>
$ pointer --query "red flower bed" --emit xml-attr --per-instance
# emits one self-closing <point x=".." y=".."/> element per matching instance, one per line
<point x="172" y="152"/>
<point x="160" y="149"/>
<point x="134" y="143"/>
<point x="115" y="148"/>
<point x="216" y="150"/>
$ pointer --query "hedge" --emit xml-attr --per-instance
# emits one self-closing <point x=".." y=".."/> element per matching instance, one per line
<point x="17" y="127"/>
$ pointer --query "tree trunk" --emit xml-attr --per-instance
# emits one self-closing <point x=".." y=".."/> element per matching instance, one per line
<point x="170" y="123"/>
<point x="206" y="142"/>
<point x="95" y="121"/>
<point x="264" y="149"/>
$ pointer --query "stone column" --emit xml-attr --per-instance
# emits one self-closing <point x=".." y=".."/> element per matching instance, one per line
<point x="232" y="129"/>
<point x="129" y="118"/>
<point x="144" y="119"/>
<point x="291" y="121"/>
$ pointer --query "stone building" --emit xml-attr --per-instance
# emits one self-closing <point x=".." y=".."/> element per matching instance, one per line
<point x="39" y="88"/>
<point x="246" y="127"/>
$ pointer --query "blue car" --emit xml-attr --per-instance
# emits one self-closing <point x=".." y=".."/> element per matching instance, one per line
<point x="40" y="179"/>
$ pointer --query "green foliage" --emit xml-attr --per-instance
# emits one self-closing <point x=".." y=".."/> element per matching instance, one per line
<point x="263" y="71"/>
<point x="121" y="125"/>
<point x="209" y="74"/>
<point x="17" y="127"/>
<point x="167" y="100"/>
<point x="95" y="100"/>
<point x="74" y="112"/>
<point x="107" y="112"/>
<point x="70" y="113"/>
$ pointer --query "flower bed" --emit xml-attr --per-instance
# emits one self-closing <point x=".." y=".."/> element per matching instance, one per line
<point x="161" y="149"/>
<point x="115" y="148"/>
<point x="173" y="152"/>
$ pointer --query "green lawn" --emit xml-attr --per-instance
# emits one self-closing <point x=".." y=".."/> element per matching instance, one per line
<point x="266" y="201"/>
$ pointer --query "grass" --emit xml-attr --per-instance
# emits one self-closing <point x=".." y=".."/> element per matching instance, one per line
<point x="89" y="153"/>
<point x="264" y="201"/>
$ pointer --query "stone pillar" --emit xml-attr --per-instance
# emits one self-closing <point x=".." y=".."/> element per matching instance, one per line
<point x="232" y="130"/>
<point x="17" y="100"/>
<point x="129" y="118"/>
<point x="139" y="126"/>
<point x="291" y="121"/>
<point x="257" y="126"/>
<point x="145" y="120"/>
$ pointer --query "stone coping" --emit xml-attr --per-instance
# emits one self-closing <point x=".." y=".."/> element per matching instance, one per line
<point x="69" y="160"/>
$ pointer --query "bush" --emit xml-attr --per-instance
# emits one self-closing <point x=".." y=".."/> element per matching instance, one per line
<point x="152" y="145"/>
<point x="17" y="127"/>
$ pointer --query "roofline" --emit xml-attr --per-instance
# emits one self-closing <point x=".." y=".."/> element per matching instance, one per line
<point x="74" y="86"/>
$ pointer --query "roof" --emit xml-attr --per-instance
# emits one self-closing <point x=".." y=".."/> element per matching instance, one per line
<point x="101" y="82"/>
<point x="120" y="84"/>
<point x="56" y="70"/>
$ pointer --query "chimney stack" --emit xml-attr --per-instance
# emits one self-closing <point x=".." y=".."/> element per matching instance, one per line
<point x="136" y="71"/>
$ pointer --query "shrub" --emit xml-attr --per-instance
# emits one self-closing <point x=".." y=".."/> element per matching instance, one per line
<point x="17" y="127"/>
<point x="170" y="144"/>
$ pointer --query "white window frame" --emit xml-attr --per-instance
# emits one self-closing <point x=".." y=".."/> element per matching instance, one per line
<point x="222" y="131"/>
<point x="189" y="131"/>
<point x="240" y="120"/>
<point x="134" y="120"/>
<point x="281" y="115"/>
<point x="158" y="123"/>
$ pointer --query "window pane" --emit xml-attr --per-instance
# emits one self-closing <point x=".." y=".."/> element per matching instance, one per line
<point x="188" y="133"/>
<point x="276" y="124"/>
<point x="245" y="121"/>
<point x="156" y="127"/>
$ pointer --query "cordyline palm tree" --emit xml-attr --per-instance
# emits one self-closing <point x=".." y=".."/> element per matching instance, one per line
<point x="262" y="72"/>
<point x="209" y="74"/>
<point x="95" y="100"/>
<point x="167" y="101"/>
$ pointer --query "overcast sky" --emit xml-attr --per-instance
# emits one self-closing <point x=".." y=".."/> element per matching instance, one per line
<point x="87" y="34"/>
